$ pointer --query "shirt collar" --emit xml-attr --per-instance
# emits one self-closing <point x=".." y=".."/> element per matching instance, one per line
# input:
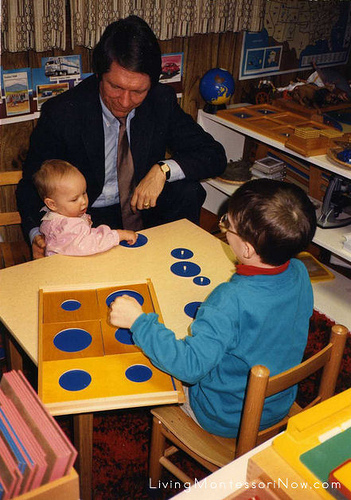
<point x="245" y="270"/>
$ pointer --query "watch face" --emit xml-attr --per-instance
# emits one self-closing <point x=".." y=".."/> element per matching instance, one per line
<point x="165" y="169"/>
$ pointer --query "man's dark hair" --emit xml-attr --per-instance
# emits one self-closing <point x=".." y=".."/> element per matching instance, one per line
<point x="132" y="44"/>
<point x="277" y="218"/>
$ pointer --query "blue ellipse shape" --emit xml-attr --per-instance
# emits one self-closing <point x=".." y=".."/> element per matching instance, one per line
<point x="344" y="156"/>
<point x="201" y="280"/>
<point x="75" y="380"/>
<point x="182" y="253"/>
<point x="138" y="373"/>
<point x="71" y="305"/>
<point x="124" y="336"/>
<point x="119" y="293"/>
<point x="185" y="269"/>
<point x="191" y="308"/>
<point x="141" y="241"/>
<point x="72" y="340"/>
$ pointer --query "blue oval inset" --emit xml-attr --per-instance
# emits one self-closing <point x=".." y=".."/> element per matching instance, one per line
<point x="191" y="308"/>
<point x="124" y="336"/>
<point x="140" y="242"/>
<point x="345" y="156"/>
<point x="71" y="305"/>
<point x="119" y="293"/>
<point x="138" y="373"/>
<point x="182" y="253"/>
<point x="75" y="380"/>
<point x="72" y="340"/>
<point x="201" y="280"/>
<point x="185" y="269"/>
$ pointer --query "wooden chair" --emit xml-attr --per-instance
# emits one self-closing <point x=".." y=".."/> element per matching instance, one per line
<point x="171" y="424"/>
<point x="13" y="252"/>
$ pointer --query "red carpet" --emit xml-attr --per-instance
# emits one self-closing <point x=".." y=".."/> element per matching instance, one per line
<point x="121" y="438"/>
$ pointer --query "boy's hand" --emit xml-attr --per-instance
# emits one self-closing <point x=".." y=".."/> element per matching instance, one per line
<point x="124" y="311"/>
<point x="129" y="236"/>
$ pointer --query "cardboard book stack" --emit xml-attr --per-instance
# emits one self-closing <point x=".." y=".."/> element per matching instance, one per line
<point x="33" y="448"/>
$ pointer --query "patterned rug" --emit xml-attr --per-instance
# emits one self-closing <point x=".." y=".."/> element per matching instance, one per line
<point x="121" y="438"/>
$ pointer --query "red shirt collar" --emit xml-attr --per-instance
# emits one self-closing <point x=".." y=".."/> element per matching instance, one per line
<point x="253" y="270"/>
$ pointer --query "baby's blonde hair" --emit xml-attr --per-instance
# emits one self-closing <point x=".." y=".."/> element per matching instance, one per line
<point x="51" y="171"/>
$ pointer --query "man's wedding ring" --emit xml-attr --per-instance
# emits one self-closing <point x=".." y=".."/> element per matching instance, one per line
<point x="146" y="205"/>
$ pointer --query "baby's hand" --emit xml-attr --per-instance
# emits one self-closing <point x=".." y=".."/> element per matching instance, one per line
<point x="129" y="236"/>
<point x="124" y="311"/>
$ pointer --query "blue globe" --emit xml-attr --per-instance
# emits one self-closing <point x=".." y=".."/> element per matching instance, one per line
<point x="217" y="87"/>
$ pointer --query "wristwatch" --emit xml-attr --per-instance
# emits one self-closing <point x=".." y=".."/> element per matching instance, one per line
<point x="165" y="169"/>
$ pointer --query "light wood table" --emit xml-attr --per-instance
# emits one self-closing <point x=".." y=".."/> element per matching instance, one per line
<point x="19" y="286"/>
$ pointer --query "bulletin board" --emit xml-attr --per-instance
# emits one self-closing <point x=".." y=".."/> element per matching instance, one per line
<point x="296" y="33"/>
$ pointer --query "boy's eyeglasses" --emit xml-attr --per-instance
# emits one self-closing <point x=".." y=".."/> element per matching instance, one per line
<point x="224" y="224"/>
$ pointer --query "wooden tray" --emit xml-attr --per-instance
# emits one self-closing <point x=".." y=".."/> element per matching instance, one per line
<point x="336" y="147"/>
<point x="278" y="124"/>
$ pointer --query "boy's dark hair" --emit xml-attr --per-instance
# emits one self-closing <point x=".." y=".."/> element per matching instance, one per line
<point x="277" y="218"/>
<point x="132" y="44"/>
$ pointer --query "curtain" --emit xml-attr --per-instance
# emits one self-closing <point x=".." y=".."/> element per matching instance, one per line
<point x="33" y="24"/>
<point x="167" y="18"/>
<point x="41" y="24"/>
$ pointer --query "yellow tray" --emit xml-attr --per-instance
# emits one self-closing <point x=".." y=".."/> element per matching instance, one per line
<point x="315" y="269"/>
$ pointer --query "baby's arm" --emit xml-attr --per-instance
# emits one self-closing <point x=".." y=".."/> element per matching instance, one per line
<point x="74" y="236"/>
<point x="129" y="236"/>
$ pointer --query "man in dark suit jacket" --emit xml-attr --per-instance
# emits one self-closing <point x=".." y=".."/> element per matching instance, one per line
<point x="77" y="126"/>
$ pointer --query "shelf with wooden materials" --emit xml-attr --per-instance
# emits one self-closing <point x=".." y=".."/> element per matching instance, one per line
<point x="318" y="168"/>
<point x="218" y="126"/>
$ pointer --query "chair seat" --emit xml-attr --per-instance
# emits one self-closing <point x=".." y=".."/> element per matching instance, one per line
<point x="215" y="449"/>
<point x="12" y="253"/>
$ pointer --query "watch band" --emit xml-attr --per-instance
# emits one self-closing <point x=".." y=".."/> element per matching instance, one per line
<point x="165" y="169"/>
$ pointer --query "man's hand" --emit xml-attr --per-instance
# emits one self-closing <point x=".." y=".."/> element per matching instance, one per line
<point x="124" y="311"/>
<point x="149" y="189"/>
<point x="38" y="246"/>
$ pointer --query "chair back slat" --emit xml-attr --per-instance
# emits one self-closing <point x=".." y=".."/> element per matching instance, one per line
<point x="293" y="376"/>
<point x="10" y="178"/>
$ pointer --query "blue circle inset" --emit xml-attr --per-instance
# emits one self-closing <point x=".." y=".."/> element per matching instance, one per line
<point x="71" y="305"/>
<point x="140" y="242"/>
<point x="75" y="380"/>
<point x="191" y="308"/>
<point x="124" y="336"/>
<point x="119" y="293"/>
<point x="72" y="340"/>
<point x="201" y="280"/>
<point x="138" y="373"/>
<point x="182" y="253"/>
<point x="185" y="269"/>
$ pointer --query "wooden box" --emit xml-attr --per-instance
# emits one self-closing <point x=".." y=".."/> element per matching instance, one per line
<point x="67" y="488"/>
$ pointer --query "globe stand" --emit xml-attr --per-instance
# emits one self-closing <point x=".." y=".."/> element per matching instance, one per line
<point x="213" y="108"/>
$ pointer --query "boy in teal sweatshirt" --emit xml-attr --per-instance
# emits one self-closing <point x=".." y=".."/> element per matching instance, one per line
<point x="260" y="316"/>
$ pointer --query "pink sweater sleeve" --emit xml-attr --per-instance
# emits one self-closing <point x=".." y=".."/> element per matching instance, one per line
<point x="74" y="236"/>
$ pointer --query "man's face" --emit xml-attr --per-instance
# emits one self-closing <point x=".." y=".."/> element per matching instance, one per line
<point x="122" y="90"/>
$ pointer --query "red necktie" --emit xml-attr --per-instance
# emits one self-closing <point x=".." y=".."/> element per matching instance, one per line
<point x="126" y="184"/>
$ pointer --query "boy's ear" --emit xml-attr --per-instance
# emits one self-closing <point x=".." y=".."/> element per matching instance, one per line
<point x="50" y="203"/>
<point x="249" y="251"/>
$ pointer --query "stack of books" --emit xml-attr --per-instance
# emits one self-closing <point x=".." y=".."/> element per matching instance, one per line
<point x="270" y="168"/>
<point x="33" y="448"/>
